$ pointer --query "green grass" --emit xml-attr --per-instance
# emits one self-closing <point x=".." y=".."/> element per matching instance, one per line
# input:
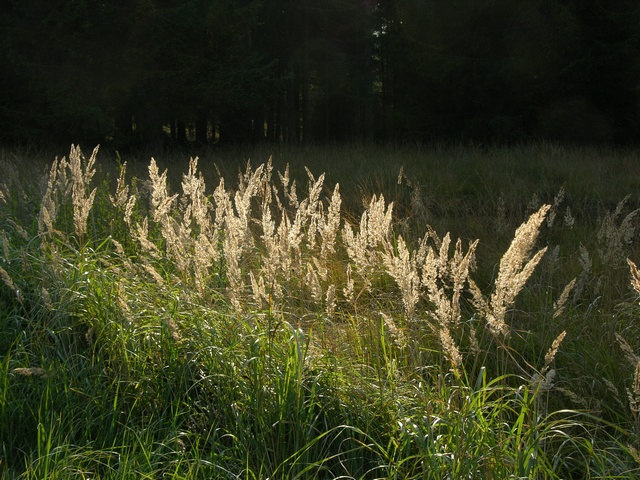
<point x="146" y="379"/>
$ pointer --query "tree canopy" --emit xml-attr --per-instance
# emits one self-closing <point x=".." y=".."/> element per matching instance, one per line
<point x="154" y="72"/>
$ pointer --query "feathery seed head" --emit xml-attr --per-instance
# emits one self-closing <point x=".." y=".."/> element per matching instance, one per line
<point x="629" y="354"/>
<point x="396" y="333"/>
<point x="121" y="197"/>
<point x="30" y="372"/>
<point x="513" y="272"/>
<point x="7" y="280"/>
<point x="81" y="175"/>
<point x="5" y="246"/>
<point x="569" y="221"/>
<point x="553" y="350"/>
<point x="330" y="300"/>
<point x="560" y="304"/>
<point x="450" y="348"/>
<point x="635" y="276"/>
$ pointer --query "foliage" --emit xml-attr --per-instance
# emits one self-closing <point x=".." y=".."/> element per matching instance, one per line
<point x="160" y="74"/>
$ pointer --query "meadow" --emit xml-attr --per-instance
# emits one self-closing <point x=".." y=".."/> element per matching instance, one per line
<point x="321" y="312"/>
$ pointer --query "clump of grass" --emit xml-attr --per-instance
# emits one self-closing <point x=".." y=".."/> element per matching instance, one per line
<point x="267" y="330"/>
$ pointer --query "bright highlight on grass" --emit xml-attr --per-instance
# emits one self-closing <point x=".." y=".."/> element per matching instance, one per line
<point x="261" y="329"/>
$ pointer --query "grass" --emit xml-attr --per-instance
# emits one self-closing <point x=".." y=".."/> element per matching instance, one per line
<point x="170" y="325"/>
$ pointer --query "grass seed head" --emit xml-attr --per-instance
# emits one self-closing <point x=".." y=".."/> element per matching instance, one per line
<point x="516" y="266"/>
<point x="5" y="247"/>
<point x="82" y="173"/>
<point x="450" y="348"/>
<point x="553" y="350"/>
<point x="629" y="354"/>
<point x="635" y="276"/>
<point x="6" y="279"/>
<point x="560" y="304"/>
<point x="30" y="372"/>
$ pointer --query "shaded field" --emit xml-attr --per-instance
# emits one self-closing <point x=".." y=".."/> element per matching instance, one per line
<point x="334" y="312"/>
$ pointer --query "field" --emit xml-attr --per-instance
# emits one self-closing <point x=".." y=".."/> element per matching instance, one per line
<point x="321" y="312"/>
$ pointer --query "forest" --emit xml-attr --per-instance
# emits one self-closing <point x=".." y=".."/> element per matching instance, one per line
<point x="157" y="73"/>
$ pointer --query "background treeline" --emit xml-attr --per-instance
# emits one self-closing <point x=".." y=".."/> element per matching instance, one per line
<point x="157" y="72"/>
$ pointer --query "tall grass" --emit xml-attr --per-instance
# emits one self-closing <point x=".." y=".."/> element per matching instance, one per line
<point x="282" y="325"/>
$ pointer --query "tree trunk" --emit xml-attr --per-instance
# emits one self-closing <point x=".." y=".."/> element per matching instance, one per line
<point x="201" y="130"/>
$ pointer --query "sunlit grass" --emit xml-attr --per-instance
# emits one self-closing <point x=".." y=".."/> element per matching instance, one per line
<point x="179" y="327"/>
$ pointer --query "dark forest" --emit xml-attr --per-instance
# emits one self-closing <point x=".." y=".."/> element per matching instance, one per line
<point x="157" y="73"/>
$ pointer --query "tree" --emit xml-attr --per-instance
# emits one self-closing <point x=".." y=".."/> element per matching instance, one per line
<point x="139" y="73"/>
<point x="476" y="70"/>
